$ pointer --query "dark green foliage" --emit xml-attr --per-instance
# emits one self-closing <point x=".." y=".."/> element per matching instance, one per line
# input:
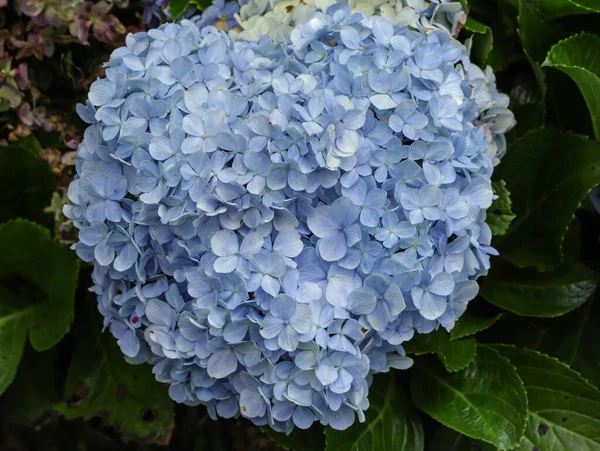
<point x="392" y="424"/>
<point x="100" y="382"/>
<point x="519" y="370"/>
<point x="485" y="401"/>
<point x="27" y="183"/>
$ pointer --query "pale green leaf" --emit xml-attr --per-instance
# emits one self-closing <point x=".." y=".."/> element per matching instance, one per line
<point x="500" y="215"/>
<point x="563" y="411"/>
<point x="485" y="401"/>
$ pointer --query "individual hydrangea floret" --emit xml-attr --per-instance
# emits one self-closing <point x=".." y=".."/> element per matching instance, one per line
<point x="154" y="11"/>
<point x="270" y="222"/>
<point x="221" y="14"/>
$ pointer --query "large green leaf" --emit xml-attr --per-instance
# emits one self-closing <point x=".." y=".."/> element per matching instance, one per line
<point x="33" y="391"/>
<point x="590" y="5"/>
<point x="101" y="383"/>
<point x="482" y="40"/>
<point x="27" y="183"/>
<point x="552" y="172"/>
<point x="573" y="338"/>
<point x="37" y="286"/>
<point x="513" y="329"/>
<point x="455" y="355"/>
<point x="485" y="401"/>
<point x="537" y="32"/>
<point x="446" y="439"/>
<point x="563" y="411"/>
<point x="391" y="424"/>
<point x="500" y="214"/>
<point x="542" y="294"/>
<point x="470" y="325"/>
<point x="561" y="8"/>
<point x="579" y="58"/>
<point x="300" y="439"/>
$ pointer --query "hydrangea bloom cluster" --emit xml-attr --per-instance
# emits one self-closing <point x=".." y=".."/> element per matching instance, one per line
<point x="254" y="19"/>
<point x="276" y="18"/>
<point x="269" y="222"/>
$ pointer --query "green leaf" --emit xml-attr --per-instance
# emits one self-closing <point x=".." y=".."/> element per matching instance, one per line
<point x="537" y="35"/>
<point x="513" y="329"/>
<point x="300" y="439"/>
<point x="485" y="401"/>
<point x="202" y="4"/>
<point x="579" y="58"/>
<point x="31" y="144"/>
<point x="563" y="407"/>
<point x="531" y="293"/>
<point x="537" y="32"/>
<point x="448" y="440"/>
<point x="27" y="183"/>
<point x="178" y="7"/>
<point x="560" y="8"/>
<point x="590" y="5"/>
<point x="101" y="383"/>
<point x="455" y="355"/>
<point x="500" y="215"/>
<point x="37" y="278"/>
<point x="391" y="423"/>
<point x="573" y="339"/>
<point x="501" y="17"/>
<point x="483" y="40"/>
<point x="470" y="325"/>
<point x="33" y="391"/>
<point x="551" y="184"/>
<point x="14" y="323"/>
<point x="573" y="240"/>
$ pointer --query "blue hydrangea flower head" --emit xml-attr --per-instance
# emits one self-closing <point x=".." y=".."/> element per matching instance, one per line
<point x="270" y="221"/>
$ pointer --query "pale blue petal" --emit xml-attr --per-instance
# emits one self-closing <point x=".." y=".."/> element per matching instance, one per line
<point x="221" y="364"/>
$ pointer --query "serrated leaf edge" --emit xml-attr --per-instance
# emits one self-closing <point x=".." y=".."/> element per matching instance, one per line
<point x="495" y="318"/>
<point x="562" y="239"/>
<point x="444" y="361"/>
<point x="506" y="360"/>
<point x="551" y="53"/>
<point x="535" y="351"/>
<point x="9" y="223"/>
<point x="587" y="8"/>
